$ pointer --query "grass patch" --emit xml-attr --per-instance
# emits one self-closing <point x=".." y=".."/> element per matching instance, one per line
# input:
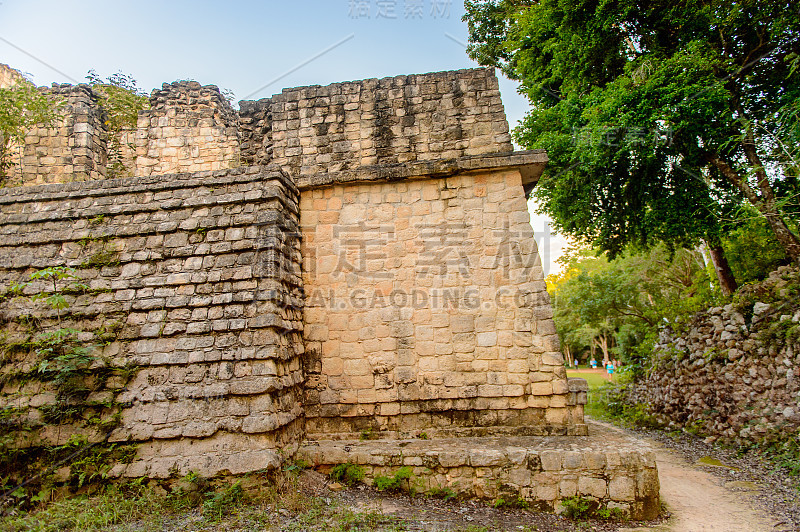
<point x="595" y="380"/>
<point x="280" y="506"/>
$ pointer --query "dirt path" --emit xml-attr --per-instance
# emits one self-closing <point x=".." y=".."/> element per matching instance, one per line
<point x="698" y="500"/>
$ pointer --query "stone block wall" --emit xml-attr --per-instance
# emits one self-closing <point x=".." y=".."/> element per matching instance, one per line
<point x="426" y="311"/>
<point x="389" y="121"/>
<point x="188" y="128"/>
<point x="74" y="149"/>
<point x="9" y="76"/>
<point x="309" y="131"/>
<point x="541" y="471"/>
<point x="193" y="283"/>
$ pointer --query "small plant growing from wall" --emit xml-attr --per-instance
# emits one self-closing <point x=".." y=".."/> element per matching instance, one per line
<point x="54" y="383"/>
<point x="347" y="474"/>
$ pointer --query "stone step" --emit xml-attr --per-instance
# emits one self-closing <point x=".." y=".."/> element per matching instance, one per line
<point x="612" y="470"/>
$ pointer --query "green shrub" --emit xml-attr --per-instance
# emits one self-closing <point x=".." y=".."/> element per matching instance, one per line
<point x="577" y="507"/>
<point x="222" y="503"/>
<point x="511" y="502"/>
<point x="401" y="481"/>
<point x="347" y="474"/>
<point x="445" y="493"/>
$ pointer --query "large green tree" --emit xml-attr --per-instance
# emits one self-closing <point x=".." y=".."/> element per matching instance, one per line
<point x="660" y="118"/>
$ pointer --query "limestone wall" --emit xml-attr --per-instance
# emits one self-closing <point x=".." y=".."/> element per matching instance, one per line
<point x="192" y="291"/>
<point x="311" y="132"/>
<point x="389" y="121"/>
<point x="426" y="310"/>
<point x="734" y="372"/>
<point x="74" y="149"/>
<point x="8" y="76"/>
<point x="188" y="128"/>
<point x="605" y="470"/>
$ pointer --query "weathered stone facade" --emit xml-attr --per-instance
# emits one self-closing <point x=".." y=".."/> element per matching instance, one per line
<point x="188" y="128"/>
<point x="74" y="149"/>
<point x="426" y="310"/>
<point x="373" y="270"/>
<point x="615" y="472"/>
<point x="199" y="274"/>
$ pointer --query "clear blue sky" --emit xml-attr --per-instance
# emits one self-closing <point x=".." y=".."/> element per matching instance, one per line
<point x="252" y="48"/>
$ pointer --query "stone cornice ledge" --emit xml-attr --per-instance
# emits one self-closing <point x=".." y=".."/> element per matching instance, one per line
<point x="530" y="164"/>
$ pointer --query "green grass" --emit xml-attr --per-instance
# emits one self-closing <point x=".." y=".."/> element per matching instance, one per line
<point x="595" y="380"/>
<point x="279" y="507"/>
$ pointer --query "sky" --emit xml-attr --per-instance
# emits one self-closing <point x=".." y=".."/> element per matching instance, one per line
<point x="253" y="48"/>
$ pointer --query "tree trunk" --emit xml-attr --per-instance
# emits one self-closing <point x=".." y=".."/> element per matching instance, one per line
<point x="727" y="282"/>
<point x="568" y="355"/>
<point x="602" y="343"/>
<point x="765" y="203"/>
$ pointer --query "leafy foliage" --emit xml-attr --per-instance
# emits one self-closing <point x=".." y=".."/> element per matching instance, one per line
<point x="618" y="305"/>
<point x="122" y="100"/>
<point x="347" y="474"/>
<point x="660" y="119"/>
<point x="400" y="481"/>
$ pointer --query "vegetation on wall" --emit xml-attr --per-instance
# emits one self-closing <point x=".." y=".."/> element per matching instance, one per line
<point x="121" y="100"/>
<point x="22" y="107"/>
<point x="59" y="392"/>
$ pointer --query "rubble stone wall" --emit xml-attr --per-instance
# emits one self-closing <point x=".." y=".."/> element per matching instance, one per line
<point x="426" y="310"/>
<point x="199" y="277"/>
<point x="734" y="373"/>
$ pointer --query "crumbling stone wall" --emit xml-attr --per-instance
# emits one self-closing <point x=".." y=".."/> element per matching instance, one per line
<point x="310" y="131"/>
<point x="427" y="311"/>
<point x="734" y="372"/>
<point x="188" y="128"/>
<point x="202" y="271"/>
<point x="255" y="131"/>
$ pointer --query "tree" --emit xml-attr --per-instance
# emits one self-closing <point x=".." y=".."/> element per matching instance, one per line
<point x="659" y="118"/>
<point x="617" y="305"/>
<point x="21" y="107"/>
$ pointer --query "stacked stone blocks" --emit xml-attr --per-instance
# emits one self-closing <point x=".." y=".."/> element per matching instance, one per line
<point x="542" y="471"/>
<point x="203" y="271"/>
<point x="426" y="310"/>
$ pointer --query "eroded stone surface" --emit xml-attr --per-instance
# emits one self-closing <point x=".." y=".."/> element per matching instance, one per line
<point x="616" y="471"/>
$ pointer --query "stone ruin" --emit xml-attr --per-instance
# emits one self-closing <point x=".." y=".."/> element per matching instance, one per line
<point x="342" y="274"/>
